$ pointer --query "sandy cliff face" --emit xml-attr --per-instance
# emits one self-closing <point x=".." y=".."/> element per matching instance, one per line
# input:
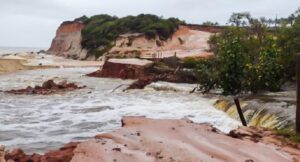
<point x="67" y="41"/>
<point x="186" y="42"/>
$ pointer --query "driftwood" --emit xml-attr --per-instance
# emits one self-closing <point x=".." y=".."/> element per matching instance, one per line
<point x="118" y="87"/>
<point x="192" y="91"/>
<point x="177" y="69"/>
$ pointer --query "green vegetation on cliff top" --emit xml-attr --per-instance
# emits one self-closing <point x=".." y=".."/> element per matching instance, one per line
<point x="101" y="31"/>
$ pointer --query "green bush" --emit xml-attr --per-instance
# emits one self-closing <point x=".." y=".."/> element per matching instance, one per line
<point x="207" y="74"/>
<point x="102" y="30"/>
<point x="290" y="134"/>
<point x="265" y="72"/>
<point x="190" y="63"/>
<point x="247" y="59"/>
<point x="82" y="19"/>
<point x="289" y="41"/>
<point x="232" y="57"/>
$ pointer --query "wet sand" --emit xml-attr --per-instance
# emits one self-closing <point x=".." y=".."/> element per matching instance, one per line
<point x="13" y="65"/>
<point x="31" y="61"/>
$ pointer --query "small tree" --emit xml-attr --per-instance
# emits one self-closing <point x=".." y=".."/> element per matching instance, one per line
<point x="289" y="41"/>
<point x="247" y="59"/>
<point x="265" y="71"/>
<point x="209" y="23"/>
<point x="232" y="57"/>
<point x="207" y="74"/>
<point x="238" y="19"/>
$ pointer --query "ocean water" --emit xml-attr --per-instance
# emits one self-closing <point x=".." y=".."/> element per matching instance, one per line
<point x="12" y="50"/>
<point x="39" y="123"/>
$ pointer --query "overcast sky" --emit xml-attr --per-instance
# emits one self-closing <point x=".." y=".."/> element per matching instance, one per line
<point x="32" y="23"/>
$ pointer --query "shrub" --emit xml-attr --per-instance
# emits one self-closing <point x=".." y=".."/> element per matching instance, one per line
<point x="265" y="72"/>
<point x="247" y="59"/>
<point x="190" y="63"/>
<point x="290" y="134"/>
<point x="82" y="19"/>
<point x="289" y="41"/>
<point x="207" y="74"/>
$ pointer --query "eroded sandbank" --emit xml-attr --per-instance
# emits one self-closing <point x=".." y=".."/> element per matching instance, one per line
<point x="161" y="140"/>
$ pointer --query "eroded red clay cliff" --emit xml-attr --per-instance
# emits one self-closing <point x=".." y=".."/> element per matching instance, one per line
<point x="115" y="68"/>
<point x="67" y="41"/>
<point x="187" y="41"/>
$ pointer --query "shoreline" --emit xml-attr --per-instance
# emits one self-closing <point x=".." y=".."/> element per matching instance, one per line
<point x="11" y="63"/>
<point x="14" y="65"/>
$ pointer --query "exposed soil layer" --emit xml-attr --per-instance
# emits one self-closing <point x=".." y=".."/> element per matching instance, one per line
<point x="67" y="41"/>
<point x="267" y="136"/>
<point x="64" y="154"/>
<point x="167" y="69"/>
<point x="48" y="87"/>
<point x="143" y="139"/>
<point x="185" y="42"/>
<point x="119" y="70"/>
<point x="153" y="140"/>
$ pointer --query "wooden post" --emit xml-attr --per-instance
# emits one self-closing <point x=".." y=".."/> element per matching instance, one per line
<point x="298" y="93"/>
<point x="2" y="153"/>
<point x="239" y="109"/>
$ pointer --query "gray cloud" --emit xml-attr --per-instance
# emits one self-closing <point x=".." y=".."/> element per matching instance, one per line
<point x="34" y="22"/>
